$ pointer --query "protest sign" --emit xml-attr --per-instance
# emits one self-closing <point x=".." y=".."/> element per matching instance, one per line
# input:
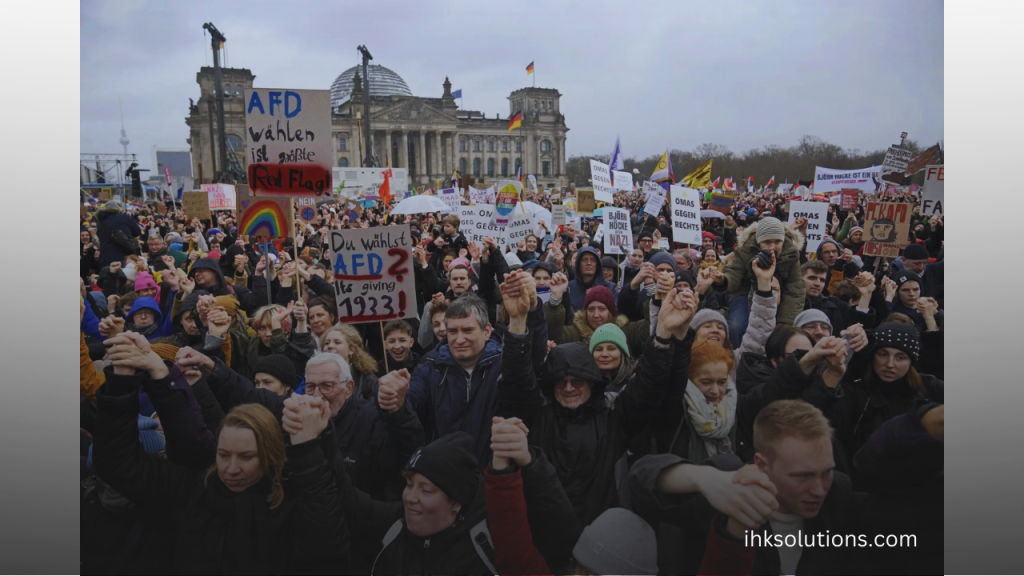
<point x="476" y="223"/>
<point x="721" y="203"/>
<point x="622" y="181"/>
<point x="482" y="196"/>
<point x="557" y="215"/>
<point x="655" y="198"/>
<point x="618" y="236"/>
<point x="196" y="204"/>
<point x="784" y="188"/>
<point x="600" y="179"/>
<point x="266" y="217"/>
<point x="817" y="218"/>
<point x="886" y="228"/>
<point x="849" y="199"/>
<point x="921" y="160"/>
<point x="106" y="193"/>
<point x="867" y="180"/>
<point x="161" y="208"/>
<point x="836" y="199"/>
<point x="506" y="201"/>
<point x="599" y="233"/>
<point x="373" y="277"/>
<point x="685" y="215"/>
<point x="451" y="197"/>
<point x="663" y="243"/>
<point x="521" y="226"/>
<point x="221" y="196"/>
<point x="933" y="196"/>
<point x="894" y="167"/>
<point x="533" y="182"/>
<point x="288" y="140"/>
<point x="585" y="201"/>
<point x="307" y="209"/>
<point x="83" y="211"/>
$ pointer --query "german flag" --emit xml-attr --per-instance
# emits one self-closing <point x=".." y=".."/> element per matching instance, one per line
<point x="515" y="122"/>
<point x="529" y="69"/>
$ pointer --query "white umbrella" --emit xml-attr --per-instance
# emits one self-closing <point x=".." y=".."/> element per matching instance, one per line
<point x="539" y="212"/>
<point x="421" y="204"/>
<point x="712" y="214"/>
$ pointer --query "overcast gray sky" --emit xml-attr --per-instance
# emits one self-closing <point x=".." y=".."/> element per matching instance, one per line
<point x="658" y="74"/>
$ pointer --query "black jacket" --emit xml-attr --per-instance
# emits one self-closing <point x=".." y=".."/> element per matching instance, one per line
<point x="247" y="300"/>
<point x="840" y="314"/>
<point x="583" y="444"/>
<point x="373" y="444"/>
<point x="115" y="230"/>
<point x="217" y="530"/>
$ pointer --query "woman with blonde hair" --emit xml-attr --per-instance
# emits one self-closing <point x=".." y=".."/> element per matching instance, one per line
<point x="345" y="341"/>
<point x="295" y="525"/>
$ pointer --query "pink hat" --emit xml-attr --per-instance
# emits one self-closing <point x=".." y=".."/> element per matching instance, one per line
<point x="145" y="281"/>
<point x="458" y="262"/>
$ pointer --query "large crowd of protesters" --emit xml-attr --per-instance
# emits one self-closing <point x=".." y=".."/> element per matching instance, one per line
<point x="740" y="406"/>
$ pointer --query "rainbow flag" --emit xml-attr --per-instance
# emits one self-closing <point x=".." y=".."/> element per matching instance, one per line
<point x="529" y="69"/>
<point x="515" y="122"/>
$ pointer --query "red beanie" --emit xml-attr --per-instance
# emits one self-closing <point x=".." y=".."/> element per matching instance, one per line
<point x="602" y="295"/>
<point x="709" y="235"/>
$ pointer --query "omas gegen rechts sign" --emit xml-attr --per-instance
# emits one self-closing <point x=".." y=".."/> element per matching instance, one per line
<point x="288" y="142"/>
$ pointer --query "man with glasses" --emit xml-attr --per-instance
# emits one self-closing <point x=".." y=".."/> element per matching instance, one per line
<point x="374" y="438"/>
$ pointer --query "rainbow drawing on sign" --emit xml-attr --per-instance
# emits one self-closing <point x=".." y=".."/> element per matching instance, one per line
<point x="264" y="217"/>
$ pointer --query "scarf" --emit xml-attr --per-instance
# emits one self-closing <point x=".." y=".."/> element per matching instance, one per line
<point x="713" y="423"/>
<point x="147" y="331"/>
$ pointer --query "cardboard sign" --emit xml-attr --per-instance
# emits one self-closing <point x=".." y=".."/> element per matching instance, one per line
<point x="618" y="235"/>
<point x="817" y="218"/>
<point x="867" y="180"/>
<point x="585" y="201"/>
<point x="685" y="215"/>
<point x="452" y="198"/>
<point x="557" y="215"/>
<point x="623" y="181"/>
<point x="849" y="199"/>
<point x="482" y="196"/>
<point x="886" y="228"/>
<point x="83" y="211"/>
<point x="266" y="217"/>
<point x="655" y="198"/>
<point x="221" y="196"/>
<point x="161" y="208"/>
<point x="196" y="204"/>
<point x="288" y="140"/>
<point x="934" y="195"/>
<point x="307" y="209"/>
<point x="895" y="164"/>
<point x="106" y="193"/>
<point x="600" y="179"/>
<point x="373" y="276"/>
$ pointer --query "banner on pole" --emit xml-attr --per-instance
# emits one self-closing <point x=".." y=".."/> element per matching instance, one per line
<point x="817" y="218"/>
<point x="685" y="215"/>
<point x="618" y="235"/>
<point x="372" y="270"/>
<point x="934" y="195"/>
<point x="886" y="228"/>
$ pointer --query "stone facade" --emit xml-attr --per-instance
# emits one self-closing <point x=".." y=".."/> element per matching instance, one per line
<point x="429" y="136"/>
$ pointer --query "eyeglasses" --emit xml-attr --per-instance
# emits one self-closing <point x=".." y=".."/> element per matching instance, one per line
<point x="325" y="387"/>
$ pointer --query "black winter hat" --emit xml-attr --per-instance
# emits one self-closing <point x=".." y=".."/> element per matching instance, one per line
<point x="645" y="234"/>
<point x="688" y="277"/>
<point x="915" y="251"/>
<point x="904" y="276"/>
<point x="278" y="366"/>
<point x="900" y="336"/>
<point x="449" y="463"/>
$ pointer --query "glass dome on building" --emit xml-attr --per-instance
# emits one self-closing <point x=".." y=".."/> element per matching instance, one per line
<point x="383" y="82"/>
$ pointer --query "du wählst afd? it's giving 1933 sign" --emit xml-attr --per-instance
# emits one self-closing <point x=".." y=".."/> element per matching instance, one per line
<point x="373" y="277"/>
<point x="288" y="142"/>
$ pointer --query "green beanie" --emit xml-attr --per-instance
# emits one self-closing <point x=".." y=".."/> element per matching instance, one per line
<point x="609" y="333"/>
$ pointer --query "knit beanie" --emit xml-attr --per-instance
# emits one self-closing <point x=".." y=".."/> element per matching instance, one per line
<point x="704" y="235"/>
<point x="855" y="229"/>
<point x="609" y="333"/>
<point x="602" y="295"/>
<point x="618" y="542"/>
<point x="167" y="352"/>
<point x="663" y="258"/>
<point x="449" y="463"/>
<point x="900" y="336"/>
<point x="904" y="276"/>
<point x="811" y="315"/>
<point x="915" y="251"/>
<point x="770" y="228"/>
<point x="644" y="234"/>
<point x="144" y="281"/>
<point x="706" y="315"/>
<point x="458" y="262"/>
<point x="686" y="276"/>
<point x="278" y="366"/>
<point x="821" y="246"/>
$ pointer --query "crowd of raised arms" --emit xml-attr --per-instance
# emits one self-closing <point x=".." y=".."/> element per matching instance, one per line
<point x="550" y="410"/>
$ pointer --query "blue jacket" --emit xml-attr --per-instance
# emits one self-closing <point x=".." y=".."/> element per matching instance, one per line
<point x="107" y="224"/>
<point x="90" y="323"/>
<point x="164" y="325"/>
<point x="578" y="290"/>
<point x="446" y="400"/>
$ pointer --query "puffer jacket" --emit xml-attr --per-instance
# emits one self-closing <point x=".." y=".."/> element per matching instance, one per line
<point x="583" y="444"/>
<point x="578" y="288"/>
<point x="739" y="278"/>
<point x="762" y="322"/>
<point x="217" y="530"/>
<point x="448" y="400"/>
<point x="580" y="331"/>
